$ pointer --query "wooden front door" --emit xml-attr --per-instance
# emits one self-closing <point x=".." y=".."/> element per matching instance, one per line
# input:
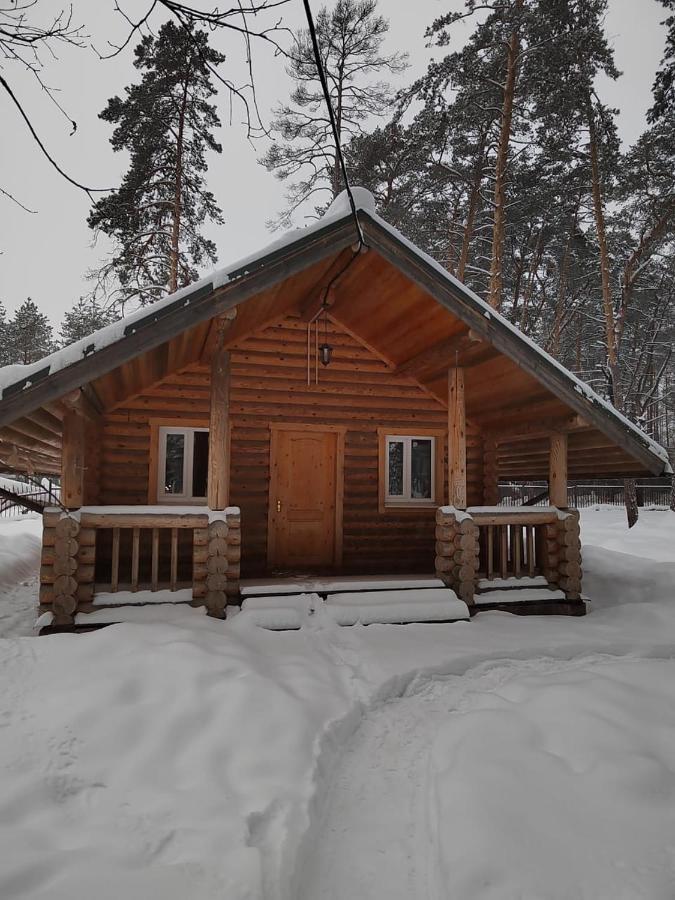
<point x="305" y="513"/>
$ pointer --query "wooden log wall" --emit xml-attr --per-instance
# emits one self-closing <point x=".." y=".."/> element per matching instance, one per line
<point x="269" y="384"/>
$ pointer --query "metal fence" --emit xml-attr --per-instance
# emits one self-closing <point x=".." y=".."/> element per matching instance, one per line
<point x="582" y="495"/>
<point x="15" y="491"/>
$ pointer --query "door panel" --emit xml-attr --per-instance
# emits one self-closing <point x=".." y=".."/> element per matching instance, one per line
<point x="303" y="497"/>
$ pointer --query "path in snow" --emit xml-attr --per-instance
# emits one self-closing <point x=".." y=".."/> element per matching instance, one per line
<point x="378" y="837"/>
<point x="514" y="756"/>
<point x="18" y="608"/>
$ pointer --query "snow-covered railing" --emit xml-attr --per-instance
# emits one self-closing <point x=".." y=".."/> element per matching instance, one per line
<point x="496" y="542"/>
<point x="108" y="550"/>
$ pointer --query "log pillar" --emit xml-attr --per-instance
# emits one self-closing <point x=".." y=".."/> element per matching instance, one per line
<point x="456" y="439"/>
<point x="219" y="428"/>
<point x="73" y="460"/>
<point x="557" y="470"/>
<point x="80" y="451"/>
<point x="490" y="472"/>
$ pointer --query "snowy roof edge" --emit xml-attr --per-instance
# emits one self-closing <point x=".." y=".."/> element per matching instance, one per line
<point x="490" y="314"/>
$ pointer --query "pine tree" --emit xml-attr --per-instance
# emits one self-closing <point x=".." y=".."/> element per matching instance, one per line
<point x="350" y="38"/>
<point x="402" y="166"/>
<point x="166" y="124"/>
<point x="664" y="83"/>
<point x="30" y="335"/>
<point x="85" y="317"/>
<point x="501" y="92"/>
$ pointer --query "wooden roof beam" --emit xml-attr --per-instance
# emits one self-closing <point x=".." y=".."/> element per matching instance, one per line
<point x="439" y="356"/>
<point x="84" y="401"/>
<point x="541" y="428"/>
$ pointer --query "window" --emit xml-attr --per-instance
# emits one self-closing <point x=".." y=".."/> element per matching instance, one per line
<point x="410" y="470"/>
<point x="183" y="464"/>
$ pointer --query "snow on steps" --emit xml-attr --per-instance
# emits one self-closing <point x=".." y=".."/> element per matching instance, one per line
<point x="524" y="595"/>
<point x="347" y="608"/>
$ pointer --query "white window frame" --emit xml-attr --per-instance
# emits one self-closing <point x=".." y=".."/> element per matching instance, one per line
<point x="188" y="458"/>
<point x="406" y="499"/>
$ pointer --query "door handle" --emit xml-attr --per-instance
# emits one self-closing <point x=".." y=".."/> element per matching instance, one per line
<point x="278" y="505"/>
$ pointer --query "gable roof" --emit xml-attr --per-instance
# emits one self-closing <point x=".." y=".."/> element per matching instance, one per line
<point x="24" y="389"/>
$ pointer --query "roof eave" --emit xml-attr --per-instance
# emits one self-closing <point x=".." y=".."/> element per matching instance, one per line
<point x="204" y="303"/>
<point x="461" y="302"/>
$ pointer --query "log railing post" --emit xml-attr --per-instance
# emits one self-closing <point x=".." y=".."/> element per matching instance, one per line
<point x="66" y="547"/>
<point x="557" y="470"/>
<point x="456" y="439"/>
<point x="457" y="552"/>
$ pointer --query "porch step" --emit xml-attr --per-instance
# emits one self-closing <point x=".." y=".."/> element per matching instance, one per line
<point x="394" y="607"/>
<point x="489" y="584"/>
<point x="517" y="595"/>
<point x="300" y="584"/>
<point x="141" y="598"/>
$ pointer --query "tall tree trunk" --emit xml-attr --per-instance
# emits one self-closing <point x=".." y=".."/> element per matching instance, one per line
<point x="607" y="305"/>
<point x="672" y="481"/>
<point x="452" y="248"/>
<point x="474" y="196"/>
<point x="560" y="303"/>
<point x="629" y="488"/>
<point x="178" y="190"/>
<point x="501" y="166"/>
<point x="531" y="278"/>
<point x="562" y="285"/>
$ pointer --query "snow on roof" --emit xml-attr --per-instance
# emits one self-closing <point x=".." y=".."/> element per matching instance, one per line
<point x="340" y="208"/>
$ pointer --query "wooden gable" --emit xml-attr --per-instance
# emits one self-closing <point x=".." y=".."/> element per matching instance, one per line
<point x="392" y="301"/>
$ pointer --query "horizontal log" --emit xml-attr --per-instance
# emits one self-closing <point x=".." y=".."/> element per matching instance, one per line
<point x="443" y="564"/>
<point x="509" y="517"/>
<point x="144" y="520"/>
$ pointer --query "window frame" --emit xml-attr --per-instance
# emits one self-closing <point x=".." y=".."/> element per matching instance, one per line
<point x="160" y="432"/>
<point x="406" y="503"/>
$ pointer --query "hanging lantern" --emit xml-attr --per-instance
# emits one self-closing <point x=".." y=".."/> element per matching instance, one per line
<point x="325" y="354"/>
<point x="325" y="349"/>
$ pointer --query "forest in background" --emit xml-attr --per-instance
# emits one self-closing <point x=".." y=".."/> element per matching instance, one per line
<point x="501" y="161"/>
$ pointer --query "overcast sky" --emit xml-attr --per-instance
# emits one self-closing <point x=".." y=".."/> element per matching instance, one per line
<point x="46" y="256"/>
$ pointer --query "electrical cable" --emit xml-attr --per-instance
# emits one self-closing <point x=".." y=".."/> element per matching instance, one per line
<point x="331" y="116"/>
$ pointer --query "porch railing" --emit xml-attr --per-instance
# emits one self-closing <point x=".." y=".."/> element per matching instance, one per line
<point x="489" y="543"/>
<point x="99" y="550"/>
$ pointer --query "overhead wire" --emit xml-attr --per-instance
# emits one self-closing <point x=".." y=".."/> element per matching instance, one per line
<point x="323" y="308"/>
<point x="331" y="116"/>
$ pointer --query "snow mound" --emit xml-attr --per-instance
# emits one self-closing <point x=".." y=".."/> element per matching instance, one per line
<point x="341" y="206"/>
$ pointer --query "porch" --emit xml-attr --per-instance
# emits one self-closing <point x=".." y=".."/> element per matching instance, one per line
<point x="523" y="560"/>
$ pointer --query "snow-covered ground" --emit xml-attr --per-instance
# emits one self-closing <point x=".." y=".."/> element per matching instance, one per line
<point x="501" y="758"/>
<point x="20" y="540"/>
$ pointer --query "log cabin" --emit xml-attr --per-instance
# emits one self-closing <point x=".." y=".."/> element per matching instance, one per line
<point x="337" y="404"/>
